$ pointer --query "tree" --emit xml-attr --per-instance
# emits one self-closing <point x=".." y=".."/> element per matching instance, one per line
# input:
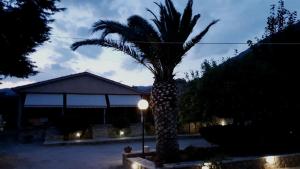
<point x="257" y="87"/>
<point x="160" y="49"/>
<point x="24" y="27"/>
<point x="280" y="19"/>
<point x="191" y="101"/>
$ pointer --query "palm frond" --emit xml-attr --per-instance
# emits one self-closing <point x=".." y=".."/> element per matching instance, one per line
<point x="186" y="24"/>
<point x="197" y="38"/>
<point x="111" y="27"/>
<point x="78" y="44"/>
<point x="109" y="43"/>
<point x="145" y="42"/>
<point x="173" y="13"/>
<point x="151" y="12"/>
<point x="194" y="21"/>
<point x="172" y="21"/>
<point x="160" y="22"/>
<point x="141" y="25"/>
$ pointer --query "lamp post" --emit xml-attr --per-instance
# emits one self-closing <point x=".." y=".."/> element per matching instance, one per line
<point x="143" y="105"/>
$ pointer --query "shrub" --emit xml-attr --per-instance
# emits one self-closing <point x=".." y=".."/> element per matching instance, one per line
<point x="120" y="122"/>
<point x="115" y="132"/>
<point x="264" y="138"/>
<point x="69" y="125"/>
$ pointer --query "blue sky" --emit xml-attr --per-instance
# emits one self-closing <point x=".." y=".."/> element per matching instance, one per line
<point x="240" y="20"/>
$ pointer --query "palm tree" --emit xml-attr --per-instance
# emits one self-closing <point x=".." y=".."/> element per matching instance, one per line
<point x="160" y="49"/>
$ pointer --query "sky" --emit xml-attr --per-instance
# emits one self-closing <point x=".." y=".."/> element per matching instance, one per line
<point x="240" y="20"/>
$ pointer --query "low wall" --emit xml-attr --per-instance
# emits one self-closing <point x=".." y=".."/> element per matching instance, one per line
<point x="133" y="161"/>
<point x="107" y="130"/>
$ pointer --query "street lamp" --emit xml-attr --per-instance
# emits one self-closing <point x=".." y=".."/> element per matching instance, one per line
<point x="143" y="105"/>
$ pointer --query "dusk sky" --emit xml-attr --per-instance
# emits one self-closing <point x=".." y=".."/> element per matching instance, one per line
<point x="240" y="20"/>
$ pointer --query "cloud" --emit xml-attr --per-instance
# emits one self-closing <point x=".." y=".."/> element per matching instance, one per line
<point x="240" y="21"/>
<point x="130" y="64"/>
<point x="11" y="84"/>
<point x="108" y="73"/>
<point x="90" y="51"/>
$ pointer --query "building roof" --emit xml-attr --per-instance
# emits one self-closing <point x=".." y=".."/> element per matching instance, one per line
<point x="81" y="83"/>
<point x="7" y="92"/>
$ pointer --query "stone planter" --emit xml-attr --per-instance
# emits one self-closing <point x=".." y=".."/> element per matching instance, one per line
<point x="134" y="161"/>
<point x="127" y="149"/>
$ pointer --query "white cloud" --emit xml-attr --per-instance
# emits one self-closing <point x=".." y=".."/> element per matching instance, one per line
<point x="76" y="16"/>
<point x="10" y="84"/>
<point x="240" y="20"/>
<point x="45" y="56"/>
<point x="111" y="60"/>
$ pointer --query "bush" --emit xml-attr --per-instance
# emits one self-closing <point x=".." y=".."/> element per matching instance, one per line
<point x="69" y="125"/>
<point x="265" y="138"/>
<point x="115" y="132"/>
<point x="120" y="122"/>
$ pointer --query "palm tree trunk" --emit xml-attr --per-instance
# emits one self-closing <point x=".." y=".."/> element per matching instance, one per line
<point x="164" y="107"/>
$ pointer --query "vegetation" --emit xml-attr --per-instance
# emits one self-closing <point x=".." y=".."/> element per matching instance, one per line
<point x="256" y="85"/>
<point x="280" y="19"/>
<point x="160" y="49"/>
<point x="25" y="26"/>
<point x="257" y="88"/>
<point x="191" y="100"/>
<point x="70" y="125"/>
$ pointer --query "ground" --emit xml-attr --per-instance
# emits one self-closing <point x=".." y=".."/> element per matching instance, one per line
<point x="105" y="156"/>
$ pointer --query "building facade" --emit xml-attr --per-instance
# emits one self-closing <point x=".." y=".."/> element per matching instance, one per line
<point x="83" y="97"/>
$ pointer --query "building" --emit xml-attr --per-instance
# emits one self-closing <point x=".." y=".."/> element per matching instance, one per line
<point x="8" y="108"/>
<point x="84" y="96"/>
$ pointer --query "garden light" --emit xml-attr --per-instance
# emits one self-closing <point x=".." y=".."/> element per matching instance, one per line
<point x="121" y="133"/>
<point x="135" y="166"/>
<point x="223" y="123"/>
<point x="271" y="160"/>
<point x="143" y="104"/>
<point x="206" y="165"/>
<point x="78" y="134"/>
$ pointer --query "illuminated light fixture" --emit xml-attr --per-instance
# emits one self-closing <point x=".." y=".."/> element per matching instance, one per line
<point x="135" y="165"/>
<point x="121" y="133"/>
<point x="223" y="123"/>
<point x="78" y="134"/>
<point x="270" y="160"/>
<point x="143" y="104"/>
<point x="206" y="165"/>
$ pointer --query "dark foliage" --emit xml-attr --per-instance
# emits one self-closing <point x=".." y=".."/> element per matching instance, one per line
<point x="192" y="153"/>
<point x="70" y="124"/>
<point x="257" y="87"/>
<point x="259" y="90"/>
<point x="279" y="19"/>
<point x="120" y="121"/>
<point x="190" y="99"/>
<point x="260" y="86"/>
<point x="253" y="139"/>
<point x="24" y="26"/>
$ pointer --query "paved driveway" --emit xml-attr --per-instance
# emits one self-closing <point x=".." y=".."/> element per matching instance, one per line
<point x="107" y="156"/>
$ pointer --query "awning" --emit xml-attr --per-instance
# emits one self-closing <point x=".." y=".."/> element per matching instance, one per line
<point x="124" y="100"/>
<point x="86" y="101"/>
<point x="44" y="100"/>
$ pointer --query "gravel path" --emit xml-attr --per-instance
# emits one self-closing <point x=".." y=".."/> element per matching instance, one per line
<point x="107" y="156"/>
